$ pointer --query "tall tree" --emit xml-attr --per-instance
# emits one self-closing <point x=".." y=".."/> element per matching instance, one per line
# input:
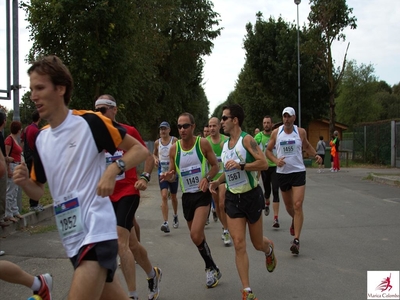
<point x="327" y="21"/>
<point x="268" y="81"/>
<point x="396" y="89"/>
<point x="356" y="102"/>
<point x="146" y="53"/>
<point x="362" y="98"/>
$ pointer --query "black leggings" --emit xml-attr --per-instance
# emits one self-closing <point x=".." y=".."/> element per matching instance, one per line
<point x="269" y="178"/>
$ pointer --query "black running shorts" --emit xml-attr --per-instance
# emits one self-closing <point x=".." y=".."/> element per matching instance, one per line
<point x="191" y="201"/>
<point x="247" y="205"/>
<point x="287" y="181"/>
<point x="125" y="209"/>
<point x="103" y="252"/>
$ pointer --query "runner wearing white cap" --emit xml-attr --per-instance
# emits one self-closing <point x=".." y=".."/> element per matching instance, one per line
<point x="290" y="141"/>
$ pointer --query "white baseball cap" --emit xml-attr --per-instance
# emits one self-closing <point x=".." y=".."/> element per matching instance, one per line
<point x="289" y="110"/>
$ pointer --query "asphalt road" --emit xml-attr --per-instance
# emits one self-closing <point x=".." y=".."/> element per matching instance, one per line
<point x="351" y="226"/>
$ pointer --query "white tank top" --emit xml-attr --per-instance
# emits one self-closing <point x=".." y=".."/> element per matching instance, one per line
<point x="291" y="147"/>
<point x="163" y="155"/>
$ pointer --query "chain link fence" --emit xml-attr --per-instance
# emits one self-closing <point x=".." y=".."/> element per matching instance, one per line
<point x="369" y="143"/>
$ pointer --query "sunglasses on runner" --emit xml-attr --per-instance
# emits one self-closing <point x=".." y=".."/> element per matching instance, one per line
<point x="184" y="126"/>
<point x="224" y="118"/>
<point x="102" y="109"/>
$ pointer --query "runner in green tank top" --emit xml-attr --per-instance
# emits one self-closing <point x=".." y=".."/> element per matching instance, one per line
<point x="242" y="158"/>
<point x="195" y="163"/>
<point x="217" y="140"/>
<point x="269" y="177"/>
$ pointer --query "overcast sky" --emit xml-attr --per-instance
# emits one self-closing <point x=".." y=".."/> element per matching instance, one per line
<point x="375" y="41"/>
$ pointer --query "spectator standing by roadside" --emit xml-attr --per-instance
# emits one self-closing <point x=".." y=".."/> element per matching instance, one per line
<point x="14" y="156"/>
<point x="28" y="138"/>
<point x="3" y="170"/>
<point x="335" y="143"/>
<point x="3" y="177"/>
<point x="321" y="152"/>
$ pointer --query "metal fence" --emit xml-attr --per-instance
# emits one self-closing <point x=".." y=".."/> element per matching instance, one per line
<point x="369" y="143"/>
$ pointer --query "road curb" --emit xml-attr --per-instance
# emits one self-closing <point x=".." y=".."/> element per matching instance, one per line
<point x="386" y="179"/>
<point x="28" y="219"/>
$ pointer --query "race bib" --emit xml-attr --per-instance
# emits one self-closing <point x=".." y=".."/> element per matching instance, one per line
<point x="164" y="166"/>
<point x="67" y="211"/>
<point x="236" y="178"/>
<point x="191" y="177"/>
<point x="273" y="150"/>
<point x="111" y="158"/>
<point x="289" y="147"/>
<point x="220" y="165"/>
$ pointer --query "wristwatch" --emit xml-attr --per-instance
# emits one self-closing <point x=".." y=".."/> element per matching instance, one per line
<point x="146" y="176"/>
<point x="208" y="178"/>
<point x="121" y="165"/>
<point x="242" y="164"/>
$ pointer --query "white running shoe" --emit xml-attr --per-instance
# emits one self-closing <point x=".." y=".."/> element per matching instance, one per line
<point x="165" y="227"/>
<point x="227" y="238"/>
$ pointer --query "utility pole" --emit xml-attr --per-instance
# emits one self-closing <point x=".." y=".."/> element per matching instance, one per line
<point x="15" y="86"/>
<point x="297" y="2"/>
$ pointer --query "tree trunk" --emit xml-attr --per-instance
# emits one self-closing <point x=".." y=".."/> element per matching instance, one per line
<point x="332" y="113"/>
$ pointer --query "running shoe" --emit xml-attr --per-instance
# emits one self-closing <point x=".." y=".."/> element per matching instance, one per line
<point x="37" y="208"/>
<point x="154" y="284"/>
<point x="276" y="223"/>
<point x="270" y="259"/>
<point x="175" y="224"/>
<point x="295" y="246"/>
<point x="266" y="210"/>
<point x="248" y="295"/>
<point x="212" y="277"/>
<point x="292" y="228"/>
<point x="215" y="217"/>
<point x="165" y="227"/>
<point x="2" y="253"/>
<point x="227" y="238"/>
<point x="47" y="285"/>
<point x="208" y="221"/>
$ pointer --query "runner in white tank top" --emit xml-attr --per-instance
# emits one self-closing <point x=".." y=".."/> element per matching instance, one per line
<point x="162" y="147"/>
<point x="289" y="145"/>
<point x="290" y="141"/>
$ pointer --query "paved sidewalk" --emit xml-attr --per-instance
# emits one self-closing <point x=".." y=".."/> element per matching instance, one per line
<point x="351" y="226"/>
